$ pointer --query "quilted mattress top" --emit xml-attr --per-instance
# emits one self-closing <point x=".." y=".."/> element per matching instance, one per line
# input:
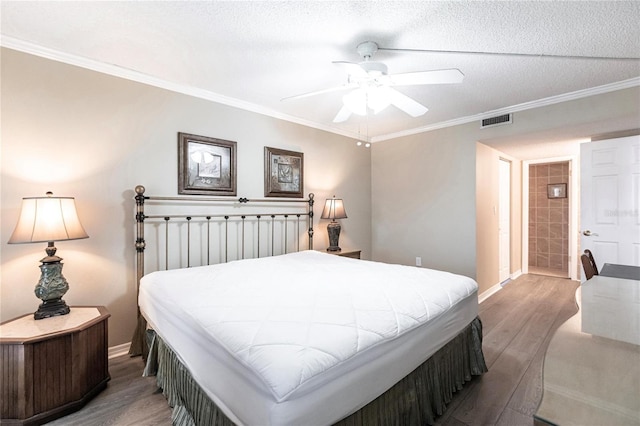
<point x="288" y="319"/>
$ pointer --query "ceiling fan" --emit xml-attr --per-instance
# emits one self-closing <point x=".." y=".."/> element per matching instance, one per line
<point x="372" y="86"/>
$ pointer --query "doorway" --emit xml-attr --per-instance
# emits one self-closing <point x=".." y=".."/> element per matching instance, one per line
<point x="548" y="223"/>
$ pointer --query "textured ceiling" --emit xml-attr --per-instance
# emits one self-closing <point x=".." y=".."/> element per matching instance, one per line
<point x="253" y="54"/>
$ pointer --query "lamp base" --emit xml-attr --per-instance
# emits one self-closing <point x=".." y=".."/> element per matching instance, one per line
<point x="333" y="229"/>
<point x="50" y="289"/>
<point x="51" y="308"/>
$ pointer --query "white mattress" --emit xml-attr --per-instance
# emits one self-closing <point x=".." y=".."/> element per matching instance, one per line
<point x="304" y="338"/>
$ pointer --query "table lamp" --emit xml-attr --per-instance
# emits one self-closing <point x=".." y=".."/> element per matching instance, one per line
<point x="48" y="219"/>
<point x="333" y="209"/>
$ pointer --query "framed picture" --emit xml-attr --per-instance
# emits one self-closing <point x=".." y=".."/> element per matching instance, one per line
<point x="557" y="190"/>
<point x="283" y="173"/>
<point x="206" y="166"/>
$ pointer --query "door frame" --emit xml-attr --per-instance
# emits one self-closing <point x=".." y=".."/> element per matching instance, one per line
<point x="501" y="203"/>
<point x="574" y="194"/>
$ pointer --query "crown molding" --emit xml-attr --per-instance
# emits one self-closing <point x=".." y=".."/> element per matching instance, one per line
<point x="579" y="94"/>
<point x="128" y="74"/>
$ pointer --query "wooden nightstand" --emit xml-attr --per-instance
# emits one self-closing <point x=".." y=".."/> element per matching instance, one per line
<point x="354" y="254"/>
<point x="53" y="366"/>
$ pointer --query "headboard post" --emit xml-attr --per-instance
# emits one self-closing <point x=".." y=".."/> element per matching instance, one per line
<point x="140" y="242"/>
<point x="138" y="341"/>
<point x="310" y="232"/>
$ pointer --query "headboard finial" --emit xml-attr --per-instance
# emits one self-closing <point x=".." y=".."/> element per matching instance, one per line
<point x="139" y="189"/>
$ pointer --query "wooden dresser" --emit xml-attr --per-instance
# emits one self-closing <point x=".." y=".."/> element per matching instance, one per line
<point x="53" y="366"/>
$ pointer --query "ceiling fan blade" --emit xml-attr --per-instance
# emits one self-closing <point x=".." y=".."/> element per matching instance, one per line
<point x="353" y="69"/>
<point x="319" y="92"/>
<point x="406" y="104"/>
<point x="343" y="115"/>
<point x="447" y="76"/>
<point x="515" y="54"/>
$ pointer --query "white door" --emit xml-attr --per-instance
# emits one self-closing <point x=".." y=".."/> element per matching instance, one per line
<point x="504" y="222"/>
<point x="610" y="200"/>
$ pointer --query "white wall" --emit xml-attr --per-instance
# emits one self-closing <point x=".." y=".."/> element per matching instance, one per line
<point x="79" y="133"/>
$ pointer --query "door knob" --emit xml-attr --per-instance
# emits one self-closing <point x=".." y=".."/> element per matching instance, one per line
<point x="588" y="233"/>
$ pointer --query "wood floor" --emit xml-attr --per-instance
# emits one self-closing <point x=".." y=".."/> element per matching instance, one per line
<point x="518" y="323"/>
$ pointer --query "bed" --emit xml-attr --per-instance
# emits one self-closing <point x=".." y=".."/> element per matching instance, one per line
<point x="306" y="337"/>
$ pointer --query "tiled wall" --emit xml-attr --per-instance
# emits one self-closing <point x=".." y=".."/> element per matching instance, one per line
<point x="548" y="218"/>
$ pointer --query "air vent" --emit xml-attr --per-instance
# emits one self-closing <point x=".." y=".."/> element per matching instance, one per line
<point x="496" y="121"/>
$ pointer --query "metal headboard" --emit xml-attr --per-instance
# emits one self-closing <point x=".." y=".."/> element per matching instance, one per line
<point x="204" y="220"/>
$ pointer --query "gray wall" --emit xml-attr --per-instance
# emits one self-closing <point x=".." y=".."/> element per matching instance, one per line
<point x="423" y="190"/>
<point x="424" y="186"/>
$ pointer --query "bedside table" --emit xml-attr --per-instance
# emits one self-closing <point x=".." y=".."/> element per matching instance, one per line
<point x="354" y="254"/>
<point x="53" y="366"/>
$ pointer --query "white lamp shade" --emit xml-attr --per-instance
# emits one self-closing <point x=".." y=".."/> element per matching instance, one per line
<point x="44" y="219"/>
<point x="333" y="209"/>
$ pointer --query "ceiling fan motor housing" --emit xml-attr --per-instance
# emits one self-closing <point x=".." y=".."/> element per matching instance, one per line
<point x="367" y="49"/>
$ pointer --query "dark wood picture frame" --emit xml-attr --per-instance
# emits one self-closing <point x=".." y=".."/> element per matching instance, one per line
<point x="557" y="190"/>
<point x="283" y="173"/>
<point x="206" y="166"/>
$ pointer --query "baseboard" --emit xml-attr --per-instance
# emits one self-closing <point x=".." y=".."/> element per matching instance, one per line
<point x="119" y="350"/>
<point x="516" y="274"/>
<point x="485" y="294"/>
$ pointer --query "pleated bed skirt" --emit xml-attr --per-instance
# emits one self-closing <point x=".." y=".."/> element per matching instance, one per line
<point x="417" y="399"/>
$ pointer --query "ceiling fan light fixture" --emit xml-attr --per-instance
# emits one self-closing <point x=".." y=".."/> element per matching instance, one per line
<point x="360" y="100"/>
<point x="356" y="101"/>
<point x="378" y="98"/>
